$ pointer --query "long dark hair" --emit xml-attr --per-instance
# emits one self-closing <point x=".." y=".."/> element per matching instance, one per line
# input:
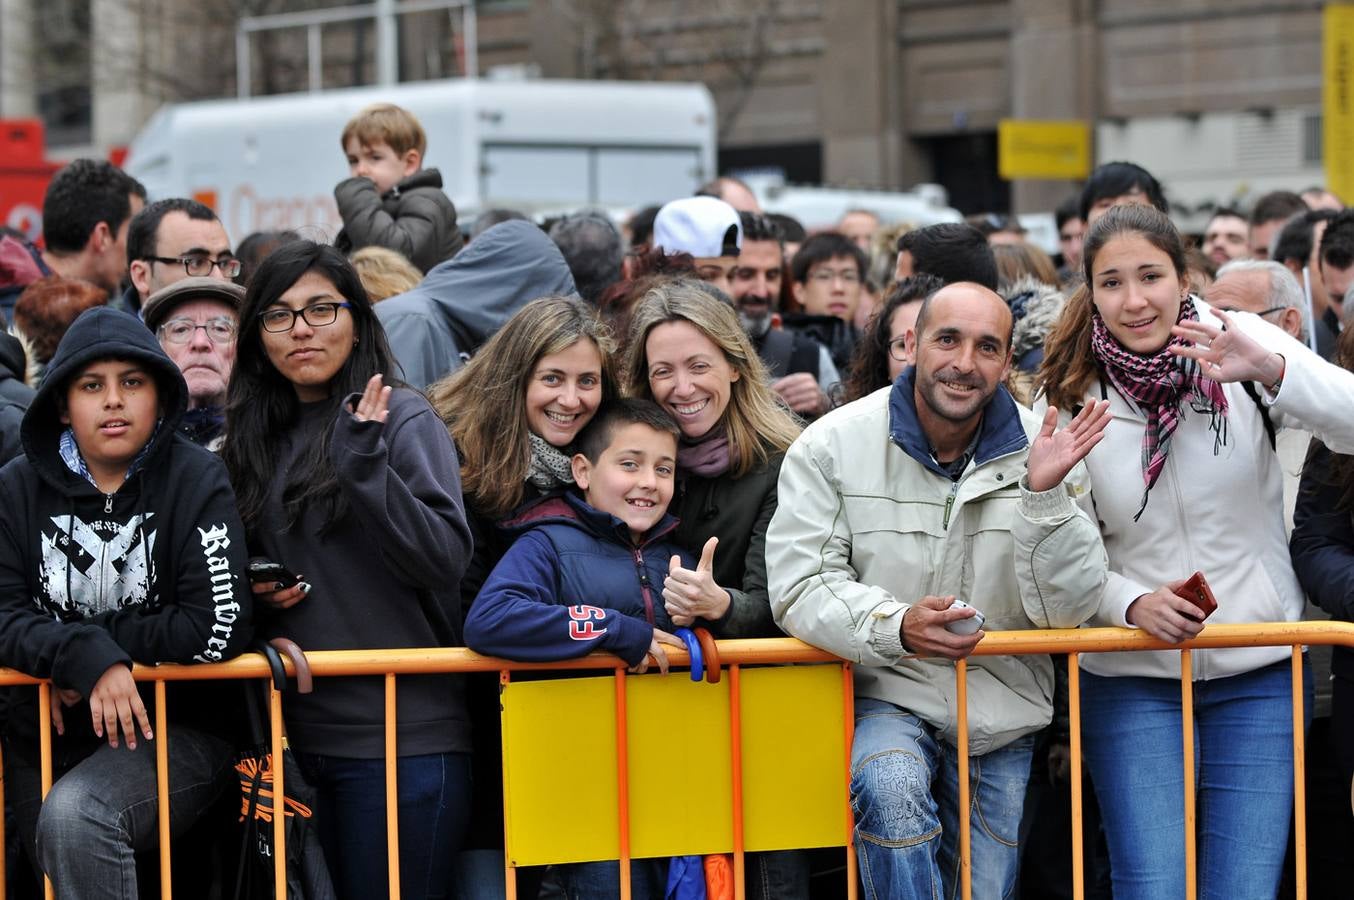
<point x="261" y="404"/>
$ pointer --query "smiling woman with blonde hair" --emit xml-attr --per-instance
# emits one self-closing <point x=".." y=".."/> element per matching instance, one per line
<point x="687" y="352"/>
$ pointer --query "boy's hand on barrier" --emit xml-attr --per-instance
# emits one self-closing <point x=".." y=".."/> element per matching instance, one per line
<point x="924" y="632"/>
<point x="62" y="697"/>
<point x="1056" y="451"/>
<point x="660" y="637"/>
<point x="280" y="599"/>
<point x="1165" y="614"/>
<point x="115" y="703"/>
<point x="690" y="594"/>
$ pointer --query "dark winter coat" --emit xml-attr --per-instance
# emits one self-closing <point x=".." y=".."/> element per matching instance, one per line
<point x="1323" y="549"/>
<point x="837" y="335"/>
<point x="415" y="218"/>
<point x="574" y="582"/>
<point x="737" y="510"/>
<point x="386" y="575"/>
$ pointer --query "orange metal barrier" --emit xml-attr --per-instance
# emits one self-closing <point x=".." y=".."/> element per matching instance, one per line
<point x="389" y="664"/>
<point x="392" y="663"/>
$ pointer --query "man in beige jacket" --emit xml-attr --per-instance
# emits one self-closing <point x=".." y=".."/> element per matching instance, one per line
<point x="936" y="489"/>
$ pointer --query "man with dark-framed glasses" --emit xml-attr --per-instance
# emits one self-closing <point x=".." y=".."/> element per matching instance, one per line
<point x="171" y="240"/>
<point x="196" y="320"/>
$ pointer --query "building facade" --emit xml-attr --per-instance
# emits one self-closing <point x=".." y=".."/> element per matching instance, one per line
<point x="1220" y="97"/>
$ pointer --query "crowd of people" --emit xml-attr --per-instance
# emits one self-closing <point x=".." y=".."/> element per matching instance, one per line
<point x="541" y="440"/>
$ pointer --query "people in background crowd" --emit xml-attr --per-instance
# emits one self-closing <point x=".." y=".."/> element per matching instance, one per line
<point x="1268" y="215"/>
<point x="171" y="240"/>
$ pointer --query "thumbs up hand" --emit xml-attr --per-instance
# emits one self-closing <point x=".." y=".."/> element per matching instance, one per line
<point x="690" y="594"/>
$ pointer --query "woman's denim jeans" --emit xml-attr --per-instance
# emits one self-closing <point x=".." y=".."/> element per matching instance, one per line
<point x="1243" y="760"/>
<point x="351" y="816"/>
<point x="905" y="796"/>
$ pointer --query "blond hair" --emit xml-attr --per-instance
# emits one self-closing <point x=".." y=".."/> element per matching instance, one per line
<point x="386" y="123"/>
<point x="384" y="272"/>
<point x="484" y="402"/>
<point x="758" y="422"/>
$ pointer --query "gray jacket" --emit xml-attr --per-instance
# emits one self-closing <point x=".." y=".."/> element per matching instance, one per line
<point x="459" y="305"/>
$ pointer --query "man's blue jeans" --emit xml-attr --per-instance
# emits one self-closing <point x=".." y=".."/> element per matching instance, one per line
<point x="905" y="796"/>
<point x="1243" y="754"/>
<point x="434" y="797"/>
<point x="105" y="807"/>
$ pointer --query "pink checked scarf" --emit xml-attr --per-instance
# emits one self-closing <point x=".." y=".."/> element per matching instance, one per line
<point x="1160" y="384"/>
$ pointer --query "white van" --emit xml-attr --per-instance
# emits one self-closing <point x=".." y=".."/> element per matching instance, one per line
<point x="272" y="162"/>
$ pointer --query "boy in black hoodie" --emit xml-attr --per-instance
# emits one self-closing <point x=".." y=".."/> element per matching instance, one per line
<point x="119" y="543"/>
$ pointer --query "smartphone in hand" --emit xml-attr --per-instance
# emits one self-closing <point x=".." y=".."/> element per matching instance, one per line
<point x="268" y="572"/>
<point x="1197" y="591"/>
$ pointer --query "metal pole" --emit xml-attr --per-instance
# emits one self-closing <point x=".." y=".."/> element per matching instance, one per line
<point x="314" y="57"/>
<point x="387" y="43"/>
<point x="241" y="63"/>
<point x="470" y="37"/>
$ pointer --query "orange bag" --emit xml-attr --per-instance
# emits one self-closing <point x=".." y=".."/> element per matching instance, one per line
<point x="719" y="877"/>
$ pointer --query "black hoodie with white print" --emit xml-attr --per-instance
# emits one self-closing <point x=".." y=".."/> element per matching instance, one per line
<point x="153" y="572"/>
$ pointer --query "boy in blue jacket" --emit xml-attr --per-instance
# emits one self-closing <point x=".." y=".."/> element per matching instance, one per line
<point x="587" y="573"/>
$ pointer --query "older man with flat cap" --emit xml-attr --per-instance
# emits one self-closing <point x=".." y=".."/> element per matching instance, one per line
<point x="196" y="321"/>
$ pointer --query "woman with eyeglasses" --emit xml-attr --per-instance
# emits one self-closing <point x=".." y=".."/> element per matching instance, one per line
<point x="881" y="356"/>
<point x="349" y="480"/>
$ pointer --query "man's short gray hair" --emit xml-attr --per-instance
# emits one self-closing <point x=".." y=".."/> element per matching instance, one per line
<point x="1284" y="289"/>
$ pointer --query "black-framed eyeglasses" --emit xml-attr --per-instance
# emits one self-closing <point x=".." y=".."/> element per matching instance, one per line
<point x="180" y="331"/>
<point x="898" y="348"/>
<point x="198" y="266"/>
<point x="1263" y="312"/>
<point x="317" y="315"/>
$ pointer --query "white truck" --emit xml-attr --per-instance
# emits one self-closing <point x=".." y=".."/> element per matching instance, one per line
<point x="272" y="162"/>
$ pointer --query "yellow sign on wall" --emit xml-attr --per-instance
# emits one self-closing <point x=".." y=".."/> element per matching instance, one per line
<point x="1027" y="148"/>
<point x="1338" y="98"/>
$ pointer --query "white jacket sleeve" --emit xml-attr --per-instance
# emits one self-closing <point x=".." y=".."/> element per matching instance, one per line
<point x="1109" y="603"/>
<point x="814" y="592"/>
<point x="1315" y="395"/>
<point x="1060" y="561"/>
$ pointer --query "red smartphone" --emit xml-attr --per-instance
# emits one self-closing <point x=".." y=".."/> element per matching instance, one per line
<point x="1197" y="591"/>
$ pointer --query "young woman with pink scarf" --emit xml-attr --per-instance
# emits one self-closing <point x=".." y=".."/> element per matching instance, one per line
<point x="1185" y="480"/>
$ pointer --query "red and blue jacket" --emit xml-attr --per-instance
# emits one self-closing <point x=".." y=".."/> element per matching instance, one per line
<point x="573" y="582"/>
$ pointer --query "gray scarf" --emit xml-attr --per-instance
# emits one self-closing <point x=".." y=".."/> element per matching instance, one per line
<point x="550" y="468"/>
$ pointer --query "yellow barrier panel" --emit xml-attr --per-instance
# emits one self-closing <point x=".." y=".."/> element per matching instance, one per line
<point x="559" y="758"/>
<point x="793" y="747"/>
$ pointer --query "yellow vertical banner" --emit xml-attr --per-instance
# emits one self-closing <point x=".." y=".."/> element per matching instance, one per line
<point x="1338" y="97"/>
